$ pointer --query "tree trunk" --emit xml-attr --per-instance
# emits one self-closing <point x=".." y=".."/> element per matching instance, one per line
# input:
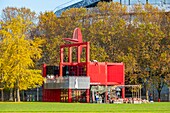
<point x="159" y="95"/>
<point x="11" y="95"/>
<point x="160" y="86"/>
<point x="18" y="95"/>
<point x="23" y="96"/>
<point x="17" y="90"/>
<point x="2" y="94"/>
<point x="15" y="95"/>
<point x="147" y="94"/>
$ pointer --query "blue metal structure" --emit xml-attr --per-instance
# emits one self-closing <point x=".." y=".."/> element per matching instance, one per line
<point x="161" y="4"/>
<point x="75" y="4"/>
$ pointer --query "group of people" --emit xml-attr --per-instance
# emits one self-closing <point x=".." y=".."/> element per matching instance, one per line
<point x="126" y="100"/>
<point x="131" y="100"/>
<point x="100" y="99"/>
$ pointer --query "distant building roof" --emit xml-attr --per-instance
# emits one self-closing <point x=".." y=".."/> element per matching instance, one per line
<point x="161" y="4"/>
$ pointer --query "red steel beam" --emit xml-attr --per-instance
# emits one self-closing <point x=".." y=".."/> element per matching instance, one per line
<point x="74" y="45"/>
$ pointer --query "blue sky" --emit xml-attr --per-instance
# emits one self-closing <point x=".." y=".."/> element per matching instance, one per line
<point x="35" y="5"/>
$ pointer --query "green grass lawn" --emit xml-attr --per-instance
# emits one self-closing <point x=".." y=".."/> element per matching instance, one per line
<point x="162" y="107"/>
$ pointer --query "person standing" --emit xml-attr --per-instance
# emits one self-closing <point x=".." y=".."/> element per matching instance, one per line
<point x="97" y="97"/>
<point x="150" y="98"/>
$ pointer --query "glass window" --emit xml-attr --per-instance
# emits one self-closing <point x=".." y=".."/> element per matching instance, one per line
<point x="132" y="2"/>
<point x="125" y="2"/>
<point x="142" y="1"/>
<point x="116" y="1"/>
<point x="166" y="1"/>
<point x="154" y="1"/>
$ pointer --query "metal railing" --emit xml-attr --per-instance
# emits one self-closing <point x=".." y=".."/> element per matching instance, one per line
<point x="67" y="82"/>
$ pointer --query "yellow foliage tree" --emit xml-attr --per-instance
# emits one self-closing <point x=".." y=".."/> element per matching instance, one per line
<point x="18" y="54"/>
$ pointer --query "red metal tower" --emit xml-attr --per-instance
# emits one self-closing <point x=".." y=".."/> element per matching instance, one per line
<point x="76" y="77"/>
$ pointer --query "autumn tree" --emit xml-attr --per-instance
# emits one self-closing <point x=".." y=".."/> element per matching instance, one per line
<point x="19" y="51"/>
<point x="146" y="49"/>
<point x="50" y="31"/>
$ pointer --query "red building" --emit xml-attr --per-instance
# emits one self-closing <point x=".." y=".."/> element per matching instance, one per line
<point x="73" y="80"/>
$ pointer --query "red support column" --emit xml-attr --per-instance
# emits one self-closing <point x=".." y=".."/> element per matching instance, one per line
<point x="88" y="52"/>
<point x="61" y="61"/>
<point x="78" y="54"/>
<point x="87" y="95"/>
<point x="78" y="59"/>
<point x="123" y="92"/>
<point x="87" y="69"/>
<point x="87" y="57"/>
<point x="123" y="82"/>
<point x="43" y="90"/>
<point x="44" y="70"/>
<point x="70" y="55"/>
<point x="69" y="95"/>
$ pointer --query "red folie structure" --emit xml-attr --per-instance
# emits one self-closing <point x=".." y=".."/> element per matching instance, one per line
<point x="78" y="80"/>
<point x="77" y="36"/>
